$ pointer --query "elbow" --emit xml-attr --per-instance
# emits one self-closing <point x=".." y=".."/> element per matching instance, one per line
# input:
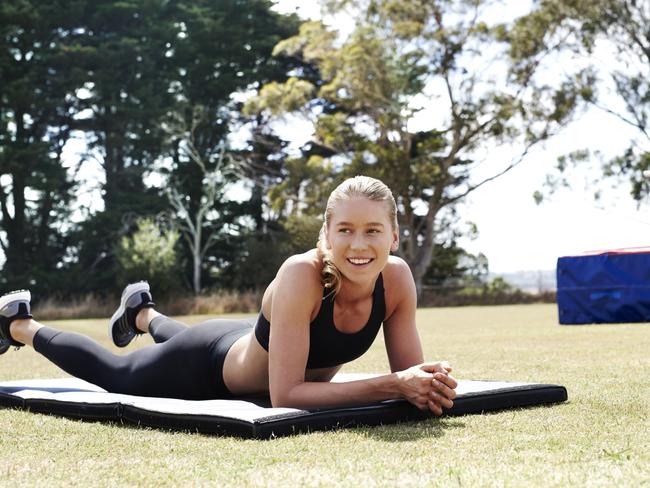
<point x="282" y="398"/>
<point x="280" y="402"/>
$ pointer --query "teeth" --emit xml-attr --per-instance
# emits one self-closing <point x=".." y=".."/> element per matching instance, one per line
<point x="359" y="261"/>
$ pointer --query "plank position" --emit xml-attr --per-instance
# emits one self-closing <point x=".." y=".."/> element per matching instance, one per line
<point x="323" y="309"/>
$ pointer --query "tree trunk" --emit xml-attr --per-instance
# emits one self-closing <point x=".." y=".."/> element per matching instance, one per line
<point x="196" y="255"/>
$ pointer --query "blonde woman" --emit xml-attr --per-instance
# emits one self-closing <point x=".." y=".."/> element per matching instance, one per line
<point x="323" y="309"/>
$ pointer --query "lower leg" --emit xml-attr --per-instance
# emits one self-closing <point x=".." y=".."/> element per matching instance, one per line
<point x="163" y="328"/>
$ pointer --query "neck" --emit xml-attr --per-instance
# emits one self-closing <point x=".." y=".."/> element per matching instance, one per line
<point x="355" y="291"/>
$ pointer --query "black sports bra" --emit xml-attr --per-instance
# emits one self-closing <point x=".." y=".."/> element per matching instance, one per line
<point x="327" y="345"/>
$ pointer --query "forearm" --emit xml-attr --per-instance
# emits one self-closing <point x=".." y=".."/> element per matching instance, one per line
<point x="310" y="394"/>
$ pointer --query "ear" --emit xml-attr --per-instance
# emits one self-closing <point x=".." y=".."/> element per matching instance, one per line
<point x="394" y="246"/>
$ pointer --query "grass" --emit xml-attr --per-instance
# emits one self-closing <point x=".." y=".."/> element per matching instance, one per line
<point x="601" y="437"/>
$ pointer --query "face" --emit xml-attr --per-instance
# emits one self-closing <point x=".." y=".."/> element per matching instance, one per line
<point x="360" y="237"/>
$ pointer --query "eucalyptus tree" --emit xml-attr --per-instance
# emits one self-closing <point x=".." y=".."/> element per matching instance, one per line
<point x="612" y="38"/>
<point x="418" y="94"/>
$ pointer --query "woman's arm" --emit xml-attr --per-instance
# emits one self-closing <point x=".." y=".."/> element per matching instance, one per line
<point x="431" y="385"/>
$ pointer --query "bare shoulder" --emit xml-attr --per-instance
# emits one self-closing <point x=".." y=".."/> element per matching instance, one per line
<point x="299" y="275"/>
<point x="397" y="271"/>
<point x="399" y="286"/>
<point x="306" y="265"/>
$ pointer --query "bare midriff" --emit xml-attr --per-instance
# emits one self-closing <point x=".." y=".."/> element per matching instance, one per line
<point x="246" y="368"/>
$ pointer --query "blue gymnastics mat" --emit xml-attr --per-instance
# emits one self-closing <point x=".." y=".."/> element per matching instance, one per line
<point x="254" y="417"/>
<point x="604" y="287"/>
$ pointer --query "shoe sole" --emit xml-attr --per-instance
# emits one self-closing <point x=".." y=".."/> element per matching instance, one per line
<point x="15" y="296"/>
<point x="128" y="291"/>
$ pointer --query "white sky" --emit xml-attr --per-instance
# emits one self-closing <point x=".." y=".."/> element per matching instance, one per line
<point x="515" y="233"/>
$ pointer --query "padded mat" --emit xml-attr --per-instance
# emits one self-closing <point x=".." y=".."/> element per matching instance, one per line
<point x="254" y="417"/>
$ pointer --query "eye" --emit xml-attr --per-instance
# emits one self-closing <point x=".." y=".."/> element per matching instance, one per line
<point x="344" y="230"/>
<point x="374" y="231"/>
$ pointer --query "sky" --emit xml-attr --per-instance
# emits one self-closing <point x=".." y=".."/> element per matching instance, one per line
<point x="517" y="234"/>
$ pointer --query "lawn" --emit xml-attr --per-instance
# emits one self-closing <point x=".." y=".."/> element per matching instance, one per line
<point x="600" y="437"/>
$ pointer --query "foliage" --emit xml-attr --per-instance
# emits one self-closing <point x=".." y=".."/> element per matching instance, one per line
<point x="150" y="254"/>
<point x="453" y="266"/>
<point x="110" y="74"/>
<point x="368" y="100"/>
<point x="35" y="124"/>
<point x="612" y="36"/>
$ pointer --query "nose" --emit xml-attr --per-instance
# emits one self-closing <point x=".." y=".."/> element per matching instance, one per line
<point x="358" y="241"/>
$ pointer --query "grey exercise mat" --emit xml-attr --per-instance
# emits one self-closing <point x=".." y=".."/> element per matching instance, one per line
<point x="254" y="417"/>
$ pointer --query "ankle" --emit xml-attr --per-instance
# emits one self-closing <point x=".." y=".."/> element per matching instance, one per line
<point x="23" y="330"/>
<point x="18" y="325"/>
<point x="144" y="318"/>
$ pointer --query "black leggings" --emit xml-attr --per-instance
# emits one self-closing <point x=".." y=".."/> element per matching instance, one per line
<point x="186" y="362"/>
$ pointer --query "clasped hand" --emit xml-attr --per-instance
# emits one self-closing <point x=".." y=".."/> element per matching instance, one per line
<point x="429" y="386"/>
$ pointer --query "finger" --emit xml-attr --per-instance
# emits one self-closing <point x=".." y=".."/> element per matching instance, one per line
<point x="441" y="400"/>
<point x="446" y="366"/>
<point x="435" y="408"/>
<point x="448" y="380"/>
<point x="434" y="367"/>
<point x="443" y="389"/>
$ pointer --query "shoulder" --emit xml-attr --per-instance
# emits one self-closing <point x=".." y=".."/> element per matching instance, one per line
<point x="298" y="276"/>
<point x="305" y="265"/>
<point x="399" y="285"/>
<point x="397" y="271"/>
<point x="300" y="272"/>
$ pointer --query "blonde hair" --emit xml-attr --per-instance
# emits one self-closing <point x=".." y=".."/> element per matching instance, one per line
<point x="359" y="186"/>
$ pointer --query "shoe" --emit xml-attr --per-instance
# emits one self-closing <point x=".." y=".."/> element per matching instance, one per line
<point x="121" y="328"/>
<point x="13" y="305"/>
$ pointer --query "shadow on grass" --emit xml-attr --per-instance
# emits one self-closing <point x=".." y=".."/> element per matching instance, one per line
<point x="412" y="430"/>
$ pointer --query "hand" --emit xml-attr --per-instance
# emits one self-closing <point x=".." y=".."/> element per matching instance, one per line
<point x="428" y="386"/>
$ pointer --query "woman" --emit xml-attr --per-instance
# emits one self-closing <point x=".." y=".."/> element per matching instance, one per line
<point x="323" y="309"/>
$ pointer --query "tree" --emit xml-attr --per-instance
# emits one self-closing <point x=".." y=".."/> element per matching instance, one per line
<point x="35" y="123"/>
<point x="586" y="30"/>
<point x="373" y="87"/>
<point x="122" y="49"/>
<point x="198" y="227"/>
<point x="222" y="48"/>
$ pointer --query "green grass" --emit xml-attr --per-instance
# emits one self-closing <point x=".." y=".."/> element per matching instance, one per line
<point x="601" y="437"/>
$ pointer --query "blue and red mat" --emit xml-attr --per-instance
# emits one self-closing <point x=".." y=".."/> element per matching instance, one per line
<point x="254" y="417"/>
<point x="604" y="287"/>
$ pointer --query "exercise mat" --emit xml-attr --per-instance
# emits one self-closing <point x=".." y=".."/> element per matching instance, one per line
<point x="254" y="417"/>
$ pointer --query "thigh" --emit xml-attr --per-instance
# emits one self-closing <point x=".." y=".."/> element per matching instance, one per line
<point x="189" y="364"/>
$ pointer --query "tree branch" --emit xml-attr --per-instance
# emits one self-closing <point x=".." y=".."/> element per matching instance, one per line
<point x="636" y="125"/>
<point x="512" y="165"/>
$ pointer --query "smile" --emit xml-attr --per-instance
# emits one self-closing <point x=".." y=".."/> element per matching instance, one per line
<point x="359" y="261"/>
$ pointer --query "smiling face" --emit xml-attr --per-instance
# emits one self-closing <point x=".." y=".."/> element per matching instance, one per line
<point x="360" y="236"/>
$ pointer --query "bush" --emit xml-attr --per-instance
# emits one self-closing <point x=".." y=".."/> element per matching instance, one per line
<point x="150" y="253"/>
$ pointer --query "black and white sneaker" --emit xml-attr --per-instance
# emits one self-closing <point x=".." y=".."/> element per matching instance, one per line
<point x="13" y="305"/>
<point x="121" y="328"/>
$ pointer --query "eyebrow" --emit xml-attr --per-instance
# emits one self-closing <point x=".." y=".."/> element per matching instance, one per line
<point x="367" y="224"/>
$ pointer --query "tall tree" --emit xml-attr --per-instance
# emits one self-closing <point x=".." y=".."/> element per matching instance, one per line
<point x="124" y="49"/>
<point x="401" y="60"/>
<point x="36" y="106"/>
<point x="612" y="38"/>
